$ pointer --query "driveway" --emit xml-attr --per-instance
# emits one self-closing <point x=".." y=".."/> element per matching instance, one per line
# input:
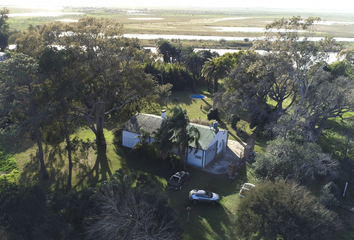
<point x="220" y="164"/>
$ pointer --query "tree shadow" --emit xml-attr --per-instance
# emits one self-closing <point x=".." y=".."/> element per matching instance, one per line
<point x="91" y="176"/>
<point x="31" y="171"/>
<point x="54" y="162"/>
<point x="207" y="104"/>
<point x="206" y="221"/>
<point x="219" y="219"/>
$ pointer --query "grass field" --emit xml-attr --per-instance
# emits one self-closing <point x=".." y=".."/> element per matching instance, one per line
<point x="189" y="22"/>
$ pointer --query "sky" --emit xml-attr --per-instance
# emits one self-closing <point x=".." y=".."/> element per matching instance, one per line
<point x="343" y="5"/>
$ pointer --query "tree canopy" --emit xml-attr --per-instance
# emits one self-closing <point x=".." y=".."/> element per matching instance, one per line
<point x="292" y="74"/>
<point x="110" y="66"/>
<point x="284" y="210"/>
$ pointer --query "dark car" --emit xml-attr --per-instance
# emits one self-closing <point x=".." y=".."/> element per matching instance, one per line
<point x="178" y="180"/>
<point x="196" y="196"/>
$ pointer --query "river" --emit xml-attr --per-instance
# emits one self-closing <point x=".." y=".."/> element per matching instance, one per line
<point x="332" y="56"/>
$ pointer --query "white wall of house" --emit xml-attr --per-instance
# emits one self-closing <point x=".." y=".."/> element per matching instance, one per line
<point x="197" y="158"/>
<point x="221" y="137"/>
<point x="129" y="140"/>
<point x="210" y="154"/>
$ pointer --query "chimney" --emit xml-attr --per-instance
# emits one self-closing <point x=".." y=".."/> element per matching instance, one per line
<point x="163" y="114"/>
<point x="215" y="125"/>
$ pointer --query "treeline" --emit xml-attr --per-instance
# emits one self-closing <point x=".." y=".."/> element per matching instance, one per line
<point x="292" y="96"/>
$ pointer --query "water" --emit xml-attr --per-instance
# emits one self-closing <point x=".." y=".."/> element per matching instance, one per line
<point x="226" y="19"/>
<point x="247" y="29"/>
<point x="146" y="18"/>
<point x="214" y="38"/>
<point x="332" y="57"/>
<point x="187" y="37"/>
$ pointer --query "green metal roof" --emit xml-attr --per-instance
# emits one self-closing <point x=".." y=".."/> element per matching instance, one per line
<point x="140" y="121"/>
<point x="150" y="123"/>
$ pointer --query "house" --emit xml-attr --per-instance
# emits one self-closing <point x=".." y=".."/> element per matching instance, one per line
<point x="212" y="140"/>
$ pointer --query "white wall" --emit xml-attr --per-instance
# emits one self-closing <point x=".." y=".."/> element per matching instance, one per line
<point x="193" y="159"/>
<point x="221" y="137"/>
<point x="129" y="139"/>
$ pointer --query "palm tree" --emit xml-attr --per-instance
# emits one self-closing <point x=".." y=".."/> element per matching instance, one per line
<point x="183" y="134"/>
<point x="164" y="47"/>
<point x="208" y="71"/>
<point x="194" y="63"/>
<point x="163" y="141"/>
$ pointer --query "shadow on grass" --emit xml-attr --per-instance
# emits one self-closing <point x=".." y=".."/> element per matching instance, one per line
<point x="155" y="171"/>
<point x="100" y="172"/>
<point x="31" y="171"/>
<point x="206" y="221"/>
<point x="207" y="104"/>
<point x="54" y="161"/>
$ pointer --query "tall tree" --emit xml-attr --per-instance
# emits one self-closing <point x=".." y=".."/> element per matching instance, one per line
<point x="58" y="66"/>
<point x="22" y="97"/>
<point x="165" y="48"/>
<point x="194" y="63"/>
<point x="163" y="141"/>
<point x="219" y="67"/>
<point x="292" y="73"/>
<point x="184" y="134"/>
<point x="208" y="72"/>
<point x="284" y="210"/>
<point x="290" y="41"/>
<point x="110" y="65"/>
<point x="4" y="29"/>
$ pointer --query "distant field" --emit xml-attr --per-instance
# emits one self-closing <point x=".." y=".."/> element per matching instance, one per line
<point x="188" y="22"/>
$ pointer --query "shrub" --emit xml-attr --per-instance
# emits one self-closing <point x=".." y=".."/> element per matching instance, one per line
<point x="151" y="152"/>
<point x="7" y="163"/>
<point x="173" y="159"/>
<point x="213" y="114"/>
<point x="234" y="119"/>
<point x="117" y="137"/>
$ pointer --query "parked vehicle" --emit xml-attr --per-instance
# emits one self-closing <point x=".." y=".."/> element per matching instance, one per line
<point x="245" y="188"/>
<point x="196" y="196"/>
<point x="178" y="180"/>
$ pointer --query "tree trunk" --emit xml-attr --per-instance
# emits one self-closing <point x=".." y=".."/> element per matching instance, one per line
<point x="208" y="82"/>
<point x="68" y="144"/>
<point x="37" y="134"/>
<point x="100" y="111"/>
<point x="40" y="149"/>
<point x="215" y="87"/>
<point x="185" y="162"/>
<point x="193" y="83"/>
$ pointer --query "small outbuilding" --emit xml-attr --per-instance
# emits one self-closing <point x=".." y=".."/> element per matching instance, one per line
<point x="212" y="140"/>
